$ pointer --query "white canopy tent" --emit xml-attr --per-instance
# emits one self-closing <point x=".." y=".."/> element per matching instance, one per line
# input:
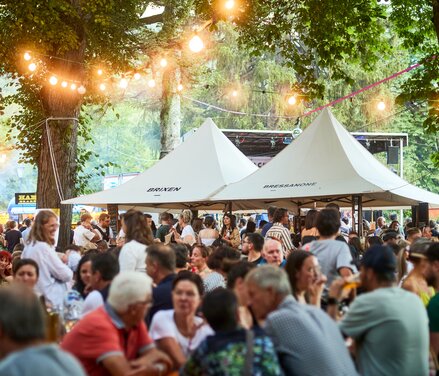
<point x="186" y="178"/>
<point x="325" y="164"/>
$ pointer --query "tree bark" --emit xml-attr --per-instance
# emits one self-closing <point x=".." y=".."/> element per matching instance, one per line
<point x="170" y="113"/>
<point x="60" y="103"/>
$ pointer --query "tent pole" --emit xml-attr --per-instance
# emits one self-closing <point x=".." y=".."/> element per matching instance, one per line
<point x="113" y="212"/>
<point x="357" y="211"/>
<point x="229" y="207"/>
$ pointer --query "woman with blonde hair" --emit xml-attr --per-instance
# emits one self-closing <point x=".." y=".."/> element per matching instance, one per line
<point x="138" y="235"/>
<point x="40" y="247"/>
<point x="187" y="234"/>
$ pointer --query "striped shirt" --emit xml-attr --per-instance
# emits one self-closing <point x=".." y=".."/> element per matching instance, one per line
<point x="280" y="232"/>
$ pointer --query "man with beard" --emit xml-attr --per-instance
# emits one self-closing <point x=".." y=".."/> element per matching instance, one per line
<point x="432" y="277"/>
<point x="252" y="245"/>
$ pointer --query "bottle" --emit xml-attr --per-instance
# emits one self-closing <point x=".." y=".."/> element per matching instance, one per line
<point x="73" y="304"/>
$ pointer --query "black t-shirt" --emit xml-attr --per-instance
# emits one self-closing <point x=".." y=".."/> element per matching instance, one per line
<point x="13" y="238"/>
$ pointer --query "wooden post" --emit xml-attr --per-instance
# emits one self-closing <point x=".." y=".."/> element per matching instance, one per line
<point x="113" y="212"/>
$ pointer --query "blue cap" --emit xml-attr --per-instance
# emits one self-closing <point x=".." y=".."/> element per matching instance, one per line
<point x="380" y="258"/>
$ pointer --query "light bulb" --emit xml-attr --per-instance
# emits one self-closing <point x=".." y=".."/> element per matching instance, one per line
<point x="99" y="72"/>
<point x="137" y="76"/>
<point x="151" y="83"/>
<point x="81" y="90"/>
<point x="64" y="84"/>
<point x="27" y="56"/>
<point x="180" y="87"/>
<point x="102" y="87"/>
<point x="73" y="86"/>
<point x="32" y="67"/>
<point x="229" y="4"/>
<point x="196" y="44"/>
<point x="53" y="80"/>
<point x="163" y="63"/>
<point x="123" y="83"/>
<point x="381" y="106"/>
<point x="234" y="93"/>
<point x="292" y="100"/>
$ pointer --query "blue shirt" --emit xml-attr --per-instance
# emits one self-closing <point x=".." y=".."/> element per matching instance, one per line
<point x="42" y="360"/>
<point x="162" y="297"/>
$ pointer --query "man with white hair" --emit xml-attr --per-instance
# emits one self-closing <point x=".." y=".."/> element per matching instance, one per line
<point x="272" y="252"/>
<point x="113" y="340"/>
<point x="306" y="340"/>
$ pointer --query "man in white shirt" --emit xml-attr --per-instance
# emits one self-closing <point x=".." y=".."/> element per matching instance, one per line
<point x="85" y="235"/>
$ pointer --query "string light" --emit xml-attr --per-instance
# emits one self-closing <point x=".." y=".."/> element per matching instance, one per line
<point x="32" y="67"/>
<point x="64" y="84"/>
<point x="81" y="90"/>
<point x="27" y="56"/>
<point x="53" y="80"/>
<point x="100" y="72"/>
<point x="292" y="100"/>
<point x="73" y="86"/>
<point x="229" y="4"/>
<point x="151" y="83"/>
<point x="196" y="44"/>
<point x="381" y="106"/>
<point x="137" y="76"/>
<point x="123" y="84"/>
<point x="163" y="63"/>
<point x="234" y="93"/>
<point x="102" y="87"/>
<point x="179" y="87"/>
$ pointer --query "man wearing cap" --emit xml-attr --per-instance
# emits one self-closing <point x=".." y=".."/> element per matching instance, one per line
<point x="389" y="325"/>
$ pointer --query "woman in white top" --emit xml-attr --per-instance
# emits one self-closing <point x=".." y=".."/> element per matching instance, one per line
<point x="40" y="247"/>
<point x="178" y="331"/>
<point x="187" y="235"/>
<point x="138" y="236"/>
<point x="209" y="234"/>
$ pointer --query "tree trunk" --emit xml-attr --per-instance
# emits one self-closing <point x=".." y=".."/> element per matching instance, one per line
<point x="170" y="113"/>
<point x="60" y="154"/>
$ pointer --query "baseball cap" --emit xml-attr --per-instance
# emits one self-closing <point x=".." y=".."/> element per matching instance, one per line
<point x="380" y="258"/>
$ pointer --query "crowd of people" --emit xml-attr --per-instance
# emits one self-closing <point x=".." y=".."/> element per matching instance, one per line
<point x="243" y="299"/>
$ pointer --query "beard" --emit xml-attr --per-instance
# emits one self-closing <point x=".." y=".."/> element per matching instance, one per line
<point x="431" y="280"/>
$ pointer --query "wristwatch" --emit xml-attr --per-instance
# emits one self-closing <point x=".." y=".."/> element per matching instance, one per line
<point x="332" y="301"/>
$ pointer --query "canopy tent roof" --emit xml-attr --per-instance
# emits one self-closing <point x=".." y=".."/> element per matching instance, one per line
<point x="325" y="164"/>
<point x="186" y="178"/>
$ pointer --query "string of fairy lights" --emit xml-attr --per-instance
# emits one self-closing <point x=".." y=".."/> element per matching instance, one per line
<point x="104" y="81"/>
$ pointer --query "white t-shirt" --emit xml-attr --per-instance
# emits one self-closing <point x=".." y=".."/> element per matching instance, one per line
<point x="54" y="274"/>
<point x="82" y="237"/>
<point x="188" y="231"/>
<point x="92" y="301"/>
<point x="132" y="257"/>
<point x="163" y="326"/>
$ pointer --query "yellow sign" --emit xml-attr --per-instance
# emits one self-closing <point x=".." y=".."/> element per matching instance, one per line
<point x="25" y="198"/>
<point x="4" y="217"/>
